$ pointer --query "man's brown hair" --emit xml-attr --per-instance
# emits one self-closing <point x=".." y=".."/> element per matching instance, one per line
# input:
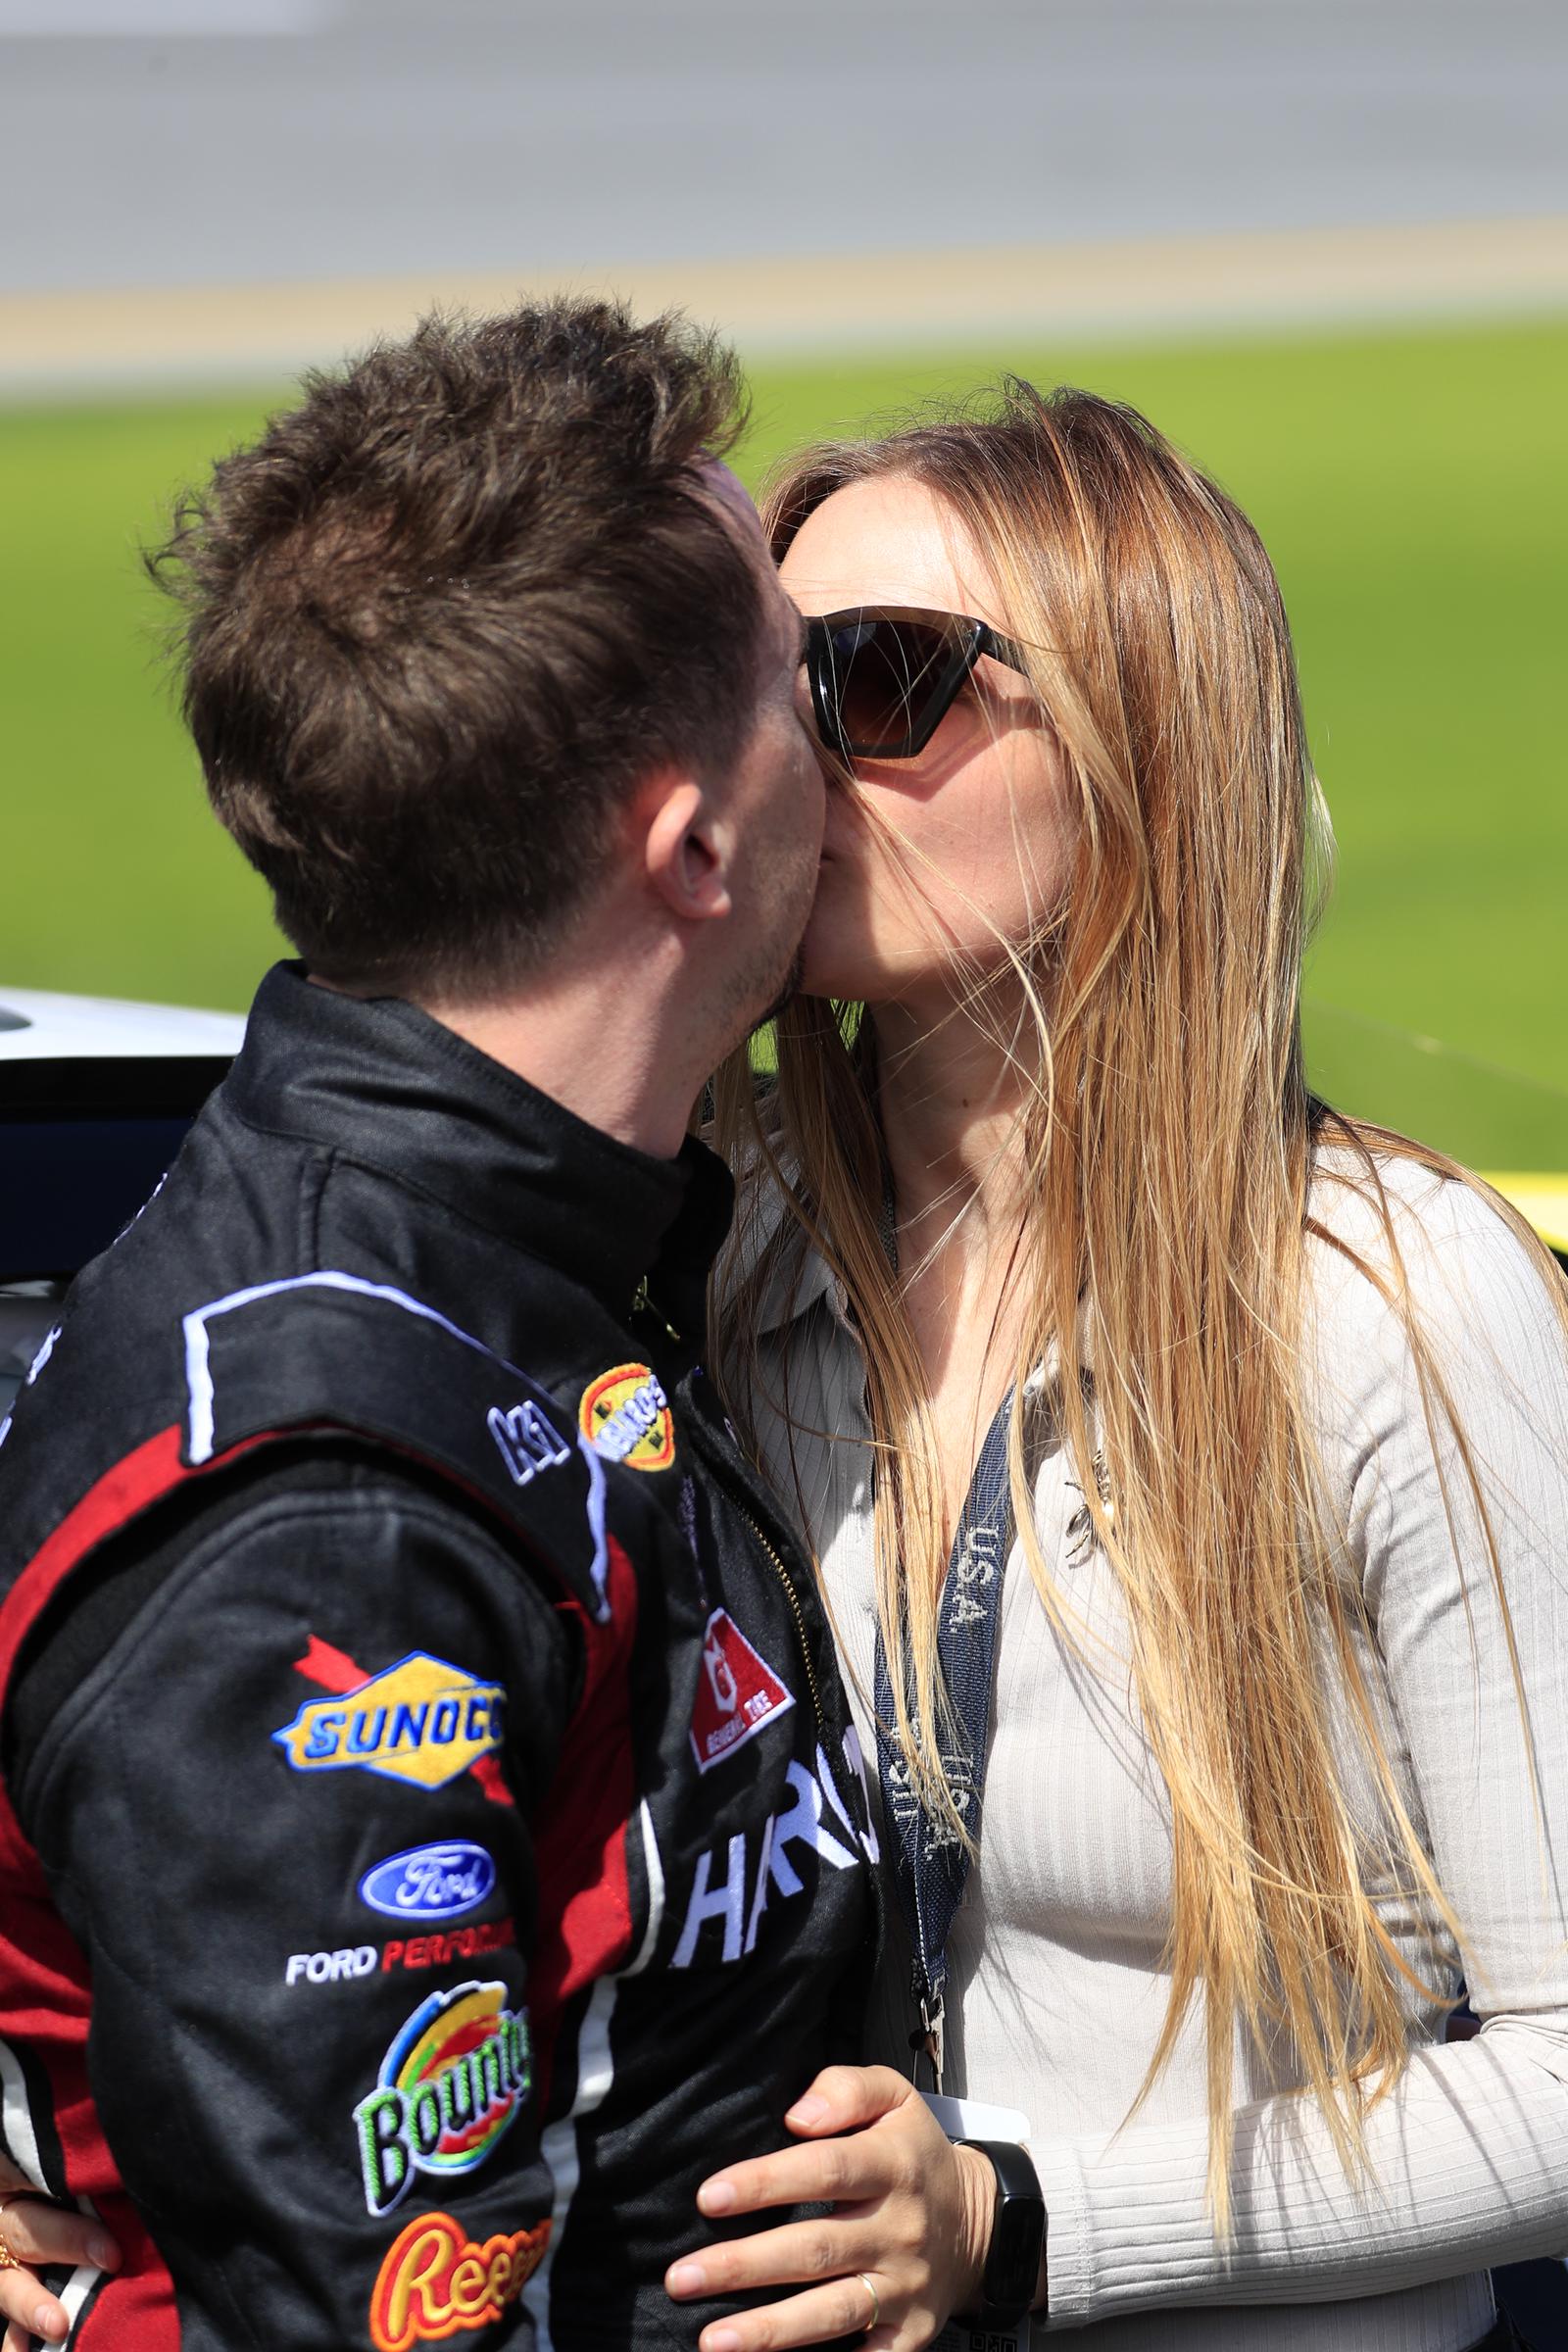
<point x="444" y="613"/>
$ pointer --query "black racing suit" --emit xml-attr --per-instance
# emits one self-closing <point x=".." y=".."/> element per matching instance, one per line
<point x="433" y="1838"/>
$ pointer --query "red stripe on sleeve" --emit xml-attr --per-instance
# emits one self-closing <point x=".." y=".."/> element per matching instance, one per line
<point x="585" y="1893"/>
<point x="330" y="1669"/>
<point x="141" y="1478"/>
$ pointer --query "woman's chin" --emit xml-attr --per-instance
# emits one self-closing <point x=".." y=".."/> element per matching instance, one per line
<point x="820" y="954"/>
<point x="844" y="979"/>
<point x="845" y="960"/>
<point x="829" y="970"/>
<point x="859" y="948"/>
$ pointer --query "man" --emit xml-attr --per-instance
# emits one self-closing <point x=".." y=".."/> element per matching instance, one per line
<point x="434" y="1836"/>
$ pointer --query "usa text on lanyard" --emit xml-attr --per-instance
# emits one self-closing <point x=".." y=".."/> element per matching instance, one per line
<point x="930" y="1861"/>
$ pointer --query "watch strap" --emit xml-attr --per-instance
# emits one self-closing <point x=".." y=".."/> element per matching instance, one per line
<point x="1017" y="2234"/>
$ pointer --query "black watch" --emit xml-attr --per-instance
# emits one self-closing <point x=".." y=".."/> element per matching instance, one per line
<point x="1017" y="2235"/>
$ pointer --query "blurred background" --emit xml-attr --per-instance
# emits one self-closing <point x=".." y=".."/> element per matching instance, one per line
<point x="1324" y="243"/>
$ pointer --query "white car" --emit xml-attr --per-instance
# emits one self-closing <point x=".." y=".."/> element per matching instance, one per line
<point x="95" y="1096"/>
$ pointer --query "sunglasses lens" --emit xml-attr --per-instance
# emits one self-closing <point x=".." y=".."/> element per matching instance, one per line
<point x="882" y="677"/>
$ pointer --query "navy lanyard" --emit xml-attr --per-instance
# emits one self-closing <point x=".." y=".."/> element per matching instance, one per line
<point x="930" y="1862"/>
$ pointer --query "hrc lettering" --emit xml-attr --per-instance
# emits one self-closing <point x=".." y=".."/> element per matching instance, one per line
<point x="800" y="1824"/>
<point x="857" y="1764"/>
<point x="727" y="1903"/>
<point x="526" y="1441"/>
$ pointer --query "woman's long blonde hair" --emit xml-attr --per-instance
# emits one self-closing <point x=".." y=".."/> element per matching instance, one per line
<point x="1166" y="1152"/>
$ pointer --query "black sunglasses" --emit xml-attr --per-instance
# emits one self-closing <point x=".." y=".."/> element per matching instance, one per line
<point x="884" y="678"/>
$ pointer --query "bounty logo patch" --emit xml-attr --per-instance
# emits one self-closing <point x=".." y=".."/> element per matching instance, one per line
<point x="450" y="2084"/>
<point x="435" y="2280"/>
<point x="739" y="1693"/>
<point x="422" y="1721"/>
<point x="625" y="1415"/>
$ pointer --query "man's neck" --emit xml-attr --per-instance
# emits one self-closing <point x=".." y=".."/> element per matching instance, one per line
<point x="601" y="1032"/>
<point x="596" y="1046"/>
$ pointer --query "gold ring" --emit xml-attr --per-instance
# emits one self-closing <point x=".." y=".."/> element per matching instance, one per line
<point x="8" y="2260"/>
<point x="876" y="2301"/>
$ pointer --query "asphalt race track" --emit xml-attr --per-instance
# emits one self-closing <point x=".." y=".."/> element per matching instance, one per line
<point x="335" y="139"/>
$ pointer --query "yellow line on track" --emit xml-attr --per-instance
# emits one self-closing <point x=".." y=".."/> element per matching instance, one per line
<point x="1543" y="1198"/>
<point x="838" y="301"/>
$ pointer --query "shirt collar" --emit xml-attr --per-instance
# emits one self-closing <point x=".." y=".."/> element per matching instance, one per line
<point x="795" y="1274"/>
<point x="380" y="1082"/>
<point x="798" y="1276"/>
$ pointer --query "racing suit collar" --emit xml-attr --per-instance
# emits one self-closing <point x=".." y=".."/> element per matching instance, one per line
<point x="378" y="1081"/>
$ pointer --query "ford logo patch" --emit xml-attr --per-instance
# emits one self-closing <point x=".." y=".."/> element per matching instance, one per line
<point x="431" y="1881"/>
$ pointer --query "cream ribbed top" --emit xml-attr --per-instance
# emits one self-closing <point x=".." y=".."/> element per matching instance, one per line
<point x="1058" y="1983"/>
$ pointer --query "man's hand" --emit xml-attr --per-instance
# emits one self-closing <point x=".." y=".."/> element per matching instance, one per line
<point x="41" y="2236"/>
<point x="912" y="2217"/>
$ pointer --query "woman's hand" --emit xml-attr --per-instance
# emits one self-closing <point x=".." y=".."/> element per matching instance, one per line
<point x="41" y="2236"/>
<point x="913" y="2216"/>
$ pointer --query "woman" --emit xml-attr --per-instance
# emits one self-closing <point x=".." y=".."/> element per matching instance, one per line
<point x="1279" y="1751"/>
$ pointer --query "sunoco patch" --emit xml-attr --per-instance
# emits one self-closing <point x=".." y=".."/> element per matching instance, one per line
<point x="421" y="1720"/>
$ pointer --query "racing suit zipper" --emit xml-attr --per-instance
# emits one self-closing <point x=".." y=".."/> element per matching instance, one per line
<point x="796" y="1611"/>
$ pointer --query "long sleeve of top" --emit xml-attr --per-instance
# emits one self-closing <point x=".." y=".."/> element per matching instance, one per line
<point x="1058" y="1977"/>
<point x="212" y="1873"/>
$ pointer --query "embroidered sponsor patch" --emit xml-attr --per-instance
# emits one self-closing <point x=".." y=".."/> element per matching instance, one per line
<point x="626" y="1415"/>
<point x="446" y="1945"/>
<point x="527" y="1441"/>
<point x="450" y="2084"/>
<point x="422" y="1721"/>
<point x="431" y="1881"/>
<point x="738" y="1694"/>
<point x="436" y="2280"/>
<point x="436" y="1950"/>
<point x="330" y="1968"/>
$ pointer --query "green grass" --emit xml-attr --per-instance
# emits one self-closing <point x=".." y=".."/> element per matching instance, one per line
<point x="1411" y="487"/>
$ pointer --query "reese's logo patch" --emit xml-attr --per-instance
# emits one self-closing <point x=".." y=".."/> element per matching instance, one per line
<point x="625" y="1415"/>
<point x="436" y="2280"/>
<point x="450" y="2083"/>
<point x="421" y="1720"/>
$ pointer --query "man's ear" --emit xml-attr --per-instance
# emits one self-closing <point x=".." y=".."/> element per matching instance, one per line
<point x="683" y="847"/>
